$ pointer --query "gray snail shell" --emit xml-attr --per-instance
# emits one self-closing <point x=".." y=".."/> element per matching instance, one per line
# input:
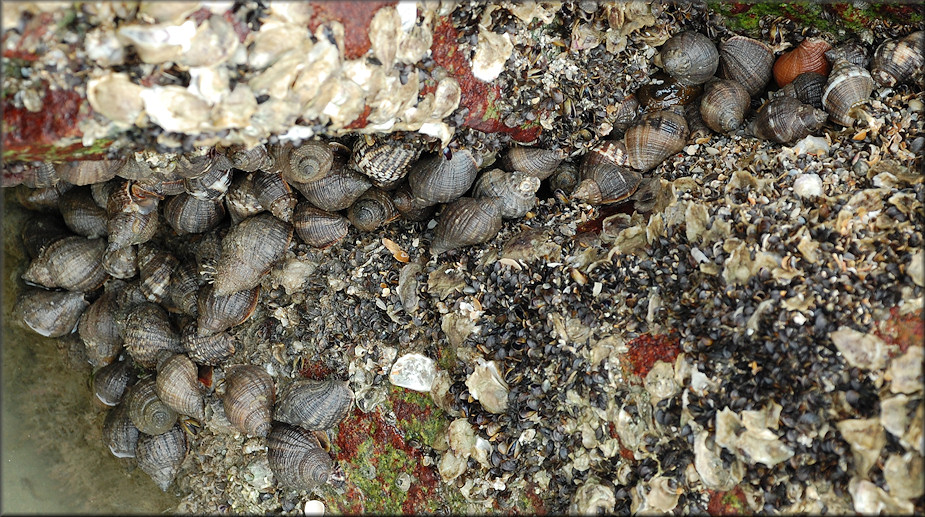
<point x="120" y="263"/>
<point x="308" y="162"/>
<point x="337" y="190"/>
<point x="218" y="313"/>
<point x="111" y="381"/>
<point x="690" y="57"/>
<point x="41" y="230"/>
<point x="42" y="175"/>
<point x="160" y="456"/>
<point x="385" y="162"/>
<point x="200" y="163"/>
<point x="465" y="222"/>
<point x="317" y="227"/>
<point x="72" y="263"/>
<point x="657" y="136"/>
<point x="274" y="193"/>
<point x="98" y="328"/>
<point x="314" y="405"/>
<point x="249" y="250"/>
<point x="785" y="119"/>
<point x="132" y="216"/>
<point x="102" y="191"/>
<point x="41" y="199"/>
<point x="848" y="86"/>
<point x="723" y="105"/>
<point x="183" y="290"/>
<point x="565" y="178"/>
<point x="155" y="267"/>
<point x="854" y="52"/>
<point x="209" y="186"/>
<point x="241" y="198"/>
<point x="147" y="411"/>
<point x="806" y="87"/>
<point x="747" y="61"/>
<point x="177" y="384"/>
<point x="696" y="126"/>
<point x="372" y="210"/>
<point x="249" y="159"/>
<point x="248" y="399"/>
<point x="87" y="172"/>
<point x="296" y="457"/>
<point x="410" y="208"/>
<point x="897" y="61"/>
<point x="146" y="332"/>
<point x="606" y="183"/>
<point x="534" y="161"/>
<point x="81" y="214"/>
<point x="50" y="313"/>
<point x="438" y="180"/>
<point x="606" y="151"/>
<point x="187" y="214"/>
<point x="212" y="349"/>
<point x="516" y="190"/>
<point x="119" y="433"/>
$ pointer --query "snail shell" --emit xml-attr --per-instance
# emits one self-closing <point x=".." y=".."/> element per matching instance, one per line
<point x="40" y="231"/>
<point x="372" y="210"/>
<point x="565" y="178"/>
<point x="337" y="190"/>
<point x="848" y="86"/>
<point x="897" y="61"/>
<point x="209" y="186"/>
<point x="241" y="199"/>
<point x="410" y="208"/>
<point x="119" y="433"/>
<point x="657" y="136"/>
<point x="148" y="412"/>
<point x="183" y="291"/>
<point x="160" y="456"/>
<point x="72" y="263"/>
<point x="690" y="57"/>
<point x="135" y="169"/>
<point x="317" y="227"/>
<point x="308" y="162"/>
<point x="41" y="175"/>
<point x="248" y="399"/>
<point x="785" y="120"/>
<point x="155" y="267"/>
<point x="212" y="349"/>
<point x="809" y="56"/>
<point x="132" y="216"/>
<point x="516" y="190"/>
<point x="200" y="163"/>
<point x="438" y="180"/>
<point x="314" y="405"/>
<point x="695" y="124"/>
<point x="187" y="214"/>
<point x="466" y="221"/>
<point x="218" y="313"/>
<point x="249" y="250"/>
<point x="747" y="61"/>
<point x="723" y="105"/>
<point x="102" y="191"/>
<point x="534" y="161"/>
<point x="120" y="263"/>
<point x="41" y="199"/>
<point x="99" y="329"/>
<point x="249" y="159"/>
<point x="81" y="214"/>
<point x="807" y="88"/>
<point x="296" y="457"/>
<point x="177" y="386"/>
<point x="385" y="162"/>
<point x="854" y="52"/>
<point x="110" y="381"/>
<point x="606" y="183"/>
<point x="87" y="172"/>
<point x="50" y="313"/>
<point x="666" y="91"/>
<point x="274" y="193"/>
<point x="147" y="331"/>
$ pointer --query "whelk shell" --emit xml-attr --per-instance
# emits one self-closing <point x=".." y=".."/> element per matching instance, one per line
<point x="160" y="456"/>
<point x="296" y="457"/>
<point x="785" y="120"/>
<point x="72" y="263"/>
<point x="149" y="414"/>
<point x="466" y="221"/>
<point x="690" y="57"/>
<point x="747" y="61"/>
<point x="317" y="227"/>
<point x="177" y="385"/>
<point x="50" y="313"/>
<point x="809" y="56"/>
<point x="248" y="399"/>
<point x="249" y="250"/>
<point x="314" y="405"/>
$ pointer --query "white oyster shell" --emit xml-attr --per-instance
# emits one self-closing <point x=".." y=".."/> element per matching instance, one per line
<point x="865" y="351"/>
<point x="491" y="52"/>
<point x="906" y="371"/>
<point x="116" y="97"/>
<point x="594" y="497"/>
<point x="660" y="382"/>
<point x="869" y="499"/>
<point x="904" y="475"/>
<point x="756" y="443"/>
<point x="866" y="438"/>
<point x="488" y="387"/>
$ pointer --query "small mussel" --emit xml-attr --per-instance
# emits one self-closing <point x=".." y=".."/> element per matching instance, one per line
<point x="384" y="161"/>
<point x="440" y="180"/>
<point x="249" y="250"/>
<point x="723" y="105"/>
<point x="314" y="405"/>
<point x="177" y="385"/>
<point x="249" y="398"/>
<point x="72" y="263"/>
<point x="160" y="456"/>
<point x="119" y="433"/>
<point x="317" y="227"/>
<point x="665" y="92"/>
<point x="110" y="382"/>
<point x="372" y="210"/>
<point x="786" y="120"/>
<point x="517" y="191"/>
<point x="690" y="57"/>
<point x="465" y="222"/>
<point x="296" y="457"/>
<point x="897" y="61"/>
<point x="50" y="313"/>
<point x="219" y="313"/>
<point x="146" y="332"/>
<point x="147" y="411"/>
<point x="534" y="161"/>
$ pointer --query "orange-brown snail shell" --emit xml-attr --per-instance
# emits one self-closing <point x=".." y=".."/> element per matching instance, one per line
<point x="808" y="56"/>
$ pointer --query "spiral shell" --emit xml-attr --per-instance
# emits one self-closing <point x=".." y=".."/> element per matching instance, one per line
<point x="187" y="214"/>
<point x="81" y="214"/>
<point x="723" y="105"/>
<point x="200" y="162"/>
<point x="657" y="136"/>
<point x="148" y="412"/>
<point x="372" y="210"/>
<point x="248" y="399"/>
<point x="41" y="175"/>
<point x="337" y="190"/>
<point x="120" y="263"/>
<point x="183" y="291"/>
<point x="50" y="313"/>
<point x="41" y="230"/>
<point x="896" y="61"/>
<point x="308" y="162"/>
<point x="212" y="349"/>
<point x="747" y="61"/>
<point x="565" y="178"/>
<point x="626" y="113"/>
<point x="807" y="88"/>
<point x="132" y="216"/>
<point x="241" y="199"/>
<point x="534" y="161"/>
<point x="606" y="183"/>
<point x="854" y="52"/>
<point x="87" y="172"/>
<point x="516" y="190"/>
<point x="155" y="267"/>
<point x="848" y="86"/>
<point x="72" y="263"/>
<point x="177" y="385"/>
<point x="160" y="456"/>
<point x="411" y="209"/>
<point x="99" y="329"/>
<point x="385" y="162"/>
<point x="296" y="457"/>
<point x="317" y="227"/>
<point x="690" y="57"/>
<point x="696" y="126"/>
<point x="111" y="381"/>
<point x="218" y="313"/>
<point x="664" y="92"/>
<point x="466" y="221"/>
<point x="249" y="250"/>
<point x="274" y="193"/>
<point x="249" y="159"/>
<point x="314" y="405"/>
<point x="41" y="199"/>
<point x="809" y="56"/>
<point x="146" y="332"/>
<point x="209" y="186"/>
<point x="438" y="180"/>
<point x="785" y="120"/>
<point x="119" y="433"/>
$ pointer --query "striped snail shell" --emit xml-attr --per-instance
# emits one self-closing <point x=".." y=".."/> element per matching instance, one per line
<point x="317" y="227"/>
<point x="42" y="175"/>
<point x="81" y="214"/>
<point x="854" y="52"/>
<point x="806" y="87"/>
<point x="848" y="86"/>
<point x="132" y="216"/>
<point x="516" y="190"/>
<point x="385" y="162"/>
<point x="187" y="214"/>
<point x="87" y="172"/>
<point x="308" y="162"/>
<point x="119" y="433"/>
<point x="565" y="178"/>
<point x="410" y="208"/>
<point x="120" y="263"/>
<point x="41" y="230"/>
<point x="72" y="263"/>
<point x="200" y="163"/>
<point x="465" y="222"/>
<point x="439" y="180"/>
<point x="147" y="411"/>
<point x="314" y="405"/>
<point x="696" y="126"/>
<point x="335" y="191"/>
<point x="41" y="199"/>
<point x="747" y="61"/>
<point x="111" y="381"/>
<point x="218" y="313"/>
<point x="690" y="57"/>
<point x="372" y="210"/>
<point x="101" y="191"/>
<point x="896" y="61"/>
<point x="211" y="185"/>
<point x="534" y="161"/>
<point x="296" y="457"/>
<point x="723" y="105"/>
<point x="241" y="198"/>
<point x="146" y="332"/>
<point x="626" y="113"/>
<point x="50" y="313"/>
<point x="785" y="119"/>
<point x="177" y="384"/>
<point x="160" y="456"/>
<point x="99" y="329"/>
<point x="212" y="349"/>
<point x="183" y="291"/>
<point x="155" y="267"/>
<point x="274" y="193"/>
<point x="248" y="399"/>
<point x="657" y="136"/>
<point x="249" y="159"/>
<point x="249" y="250"/>
<point x="606" y="182"/>
<point x="808" y="56"/>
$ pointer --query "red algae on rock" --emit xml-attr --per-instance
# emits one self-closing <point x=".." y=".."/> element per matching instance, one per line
<point x="646" y="349"/>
